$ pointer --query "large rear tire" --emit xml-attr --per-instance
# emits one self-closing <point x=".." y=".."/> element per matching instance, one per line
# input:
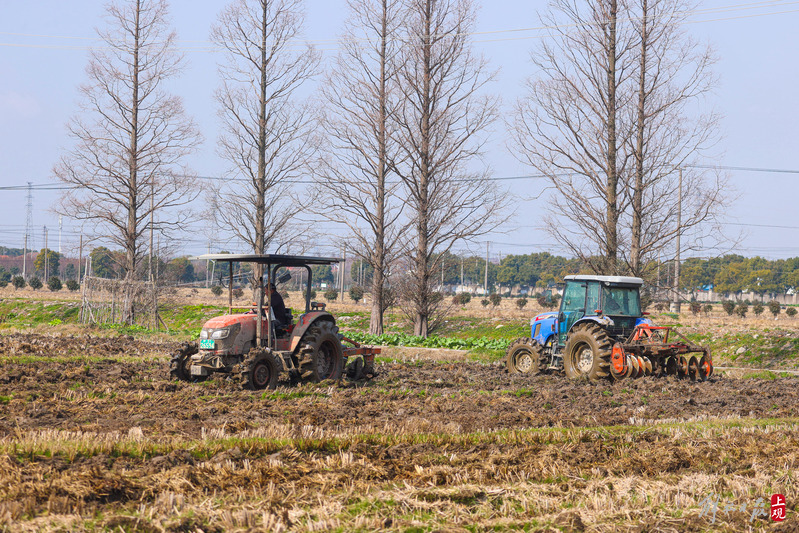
<point x="525" y="356"/>
<point x="180" y="365"/>
<point x="321" y="355"/>
<point x="587" y="353"/>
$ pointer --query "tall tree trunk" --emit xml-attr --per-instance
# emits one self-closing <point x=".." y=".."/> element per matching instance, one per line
<point x="379" y="255"/>
<point x="128" y="313"/>
<point x="638" y="186"/>
<point x="260" y="185"/>
<point x="611" y="251"/>
<point x="421" y="320"/>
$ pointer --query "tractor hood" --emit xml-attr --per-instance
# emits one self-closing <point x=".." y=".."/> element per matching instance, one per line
<point x="228" y="320"/>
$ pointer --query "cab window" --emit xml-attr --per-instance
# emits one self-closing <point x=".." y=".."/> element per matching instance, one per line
<point x="573" y="297"/>
<point x="592" y="298"/>
<point x="621" y="301"/>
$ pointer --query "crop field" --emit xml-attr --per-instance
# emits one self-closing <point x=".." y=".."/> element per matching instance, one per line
<point x="95" y="437"/>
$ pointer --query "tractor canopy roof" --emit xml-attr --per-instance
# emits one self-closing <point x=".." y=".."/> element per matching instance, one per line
<point x="271" y="259"/>
<point x="612" y="280"/>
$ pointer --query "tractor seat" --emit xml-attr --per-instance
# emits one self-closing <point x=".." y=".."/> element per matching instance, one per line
<point x="318" y="306"/>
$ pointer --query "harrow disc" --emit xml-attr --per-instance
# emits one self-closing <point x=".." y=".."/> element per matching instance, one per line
<point x="682" y="367"/>
<point x="634" y="367"/>
<point x="630" y="372"/>
<point x="647" y="366"/>
<point x="693" y="368"/>
<point x="671" y="366"/>
<point x="618" y="362"/>
<point x="706" y="366"/>
<point x="641" y="367"/>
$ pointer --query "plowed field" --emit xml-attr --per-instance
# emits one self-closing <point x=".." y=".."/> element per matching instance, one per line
<point x="94" y="436"/>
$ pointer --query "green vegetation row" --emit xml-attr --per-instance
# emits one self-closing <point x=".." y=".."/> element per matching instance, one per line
<point x="403" y="339"/>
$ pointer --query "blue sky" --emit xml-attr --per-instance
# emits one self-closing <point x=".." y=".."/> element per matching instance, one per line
<point x="43" y="56"/>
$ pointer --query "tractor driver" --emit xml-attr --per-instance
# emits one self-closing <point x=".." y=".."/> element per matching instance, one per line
<point x="278" y="307"/>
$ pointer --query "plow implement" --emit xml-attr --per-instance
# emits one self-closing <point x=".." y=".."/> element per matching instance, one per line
<point x="659" y="351"/>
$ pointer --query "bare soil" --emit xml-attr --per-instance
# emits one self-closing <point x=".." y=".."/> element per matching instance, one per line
<point x="94" y="436"/>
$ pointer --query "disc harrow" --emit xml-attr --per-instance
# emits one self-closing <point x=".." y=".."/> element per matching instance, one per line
<point x="659" y="351"/>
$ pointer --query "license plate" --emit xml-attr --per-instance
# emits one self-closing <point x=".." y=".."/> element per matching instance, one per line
<point x="207" y="344"/>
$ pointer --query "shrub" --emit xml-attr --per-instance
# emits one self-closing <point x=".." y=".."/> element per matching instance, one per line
<point x="661" y="306"/>
<point x="54" y="284"/>
<point x="238" y="292"/>
<point x="741" y="309"/>
<point x="484" y="302"/>
<point x="216" y="290"/>
<point x="707" y="308"/>
<point x="495" y="299"/>
<point x="3" y="283"/>
<point x="546" y="303"/>
<point x="35" y="283"/>
<point x="521" y="302"/>
<point x="758" y="309"/>
<point x="356" y="294"/>
<point x="18" y="282"/>
<point x="305" y="294"/>
<point x="791" y="312"/>
<point x="331" y="295"/>
<point x="774" y="307"/>
<point x="695" y="307"/>
<point x="728" y="306"/>
<point x="462" y="298"/>
<point x="73" y="285"/>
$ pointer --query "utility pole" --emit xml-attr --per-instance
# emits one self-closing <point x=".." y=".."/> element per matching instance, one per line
<point x="80" y="257"/>
<point x="46" y="256"/>
<point x="25" y="260"/>
<point x="485" y="287"/>
<point x="206" y="267"/>
<point x="675" y="307"/>
<point x="461" y="273"/>
<point x="442" y="272"/>
<point x="343" y="268"/>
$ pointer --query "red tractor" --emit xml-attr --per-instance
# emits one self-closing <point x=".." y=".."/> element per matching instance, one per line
<point x="308" y="348"/>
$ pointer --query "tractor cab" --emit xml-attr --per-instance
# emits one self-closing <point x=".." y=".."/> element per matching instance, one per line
<point x="613" y="301"/>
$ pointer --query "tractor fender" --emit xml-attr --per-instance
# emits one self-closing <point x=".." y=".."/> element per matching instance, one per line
<point x="304" y="322"/>
<point x="603" y="321"/>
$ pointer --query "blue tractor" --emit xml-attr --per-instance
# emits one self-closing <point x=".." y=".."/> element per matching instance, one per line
<point x="601" y="332"/>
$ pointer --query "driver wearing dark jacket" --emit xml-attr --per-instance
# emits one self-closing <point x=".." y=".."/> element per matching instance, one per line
<point x="278" y="307"/>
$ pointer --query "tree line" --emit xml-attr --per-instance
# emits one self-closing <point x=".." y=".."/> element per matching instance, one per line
<point x="394" y="139"/>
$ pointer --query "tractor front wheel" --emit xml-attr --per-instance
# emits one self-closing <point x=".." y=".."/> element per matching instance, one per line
<point x="587" y="353"/>
<point x="180" y="365"/>
<point x="261" y="371"/>
<point x="525" y="356"/>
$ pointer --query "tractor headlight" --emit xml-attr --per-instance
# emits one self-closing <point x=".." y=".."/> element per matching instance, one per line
<point x="204" y="334"/>
<point x="220" y="333"/>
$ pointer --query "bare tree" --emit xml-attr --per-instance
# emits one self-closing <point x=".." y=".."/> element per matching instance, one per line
<point x="266" y="136"/>
<point x="569" y="128"/>
<point x="131" y="137"/>
<point x="610" y="119"/>
<point x="354" y="169"/>
<point x="441" y="122"/>
<point x="673" y="73"/>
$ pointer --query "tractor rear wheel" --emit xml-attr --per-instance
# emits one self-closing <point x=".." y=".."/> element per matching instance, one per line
<point x="180" y="365"/>
<point x="261" y="370"/>
<point x="587" y="353"/>
<point x="321" y="355"/>
<point x="525" y="356"/>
